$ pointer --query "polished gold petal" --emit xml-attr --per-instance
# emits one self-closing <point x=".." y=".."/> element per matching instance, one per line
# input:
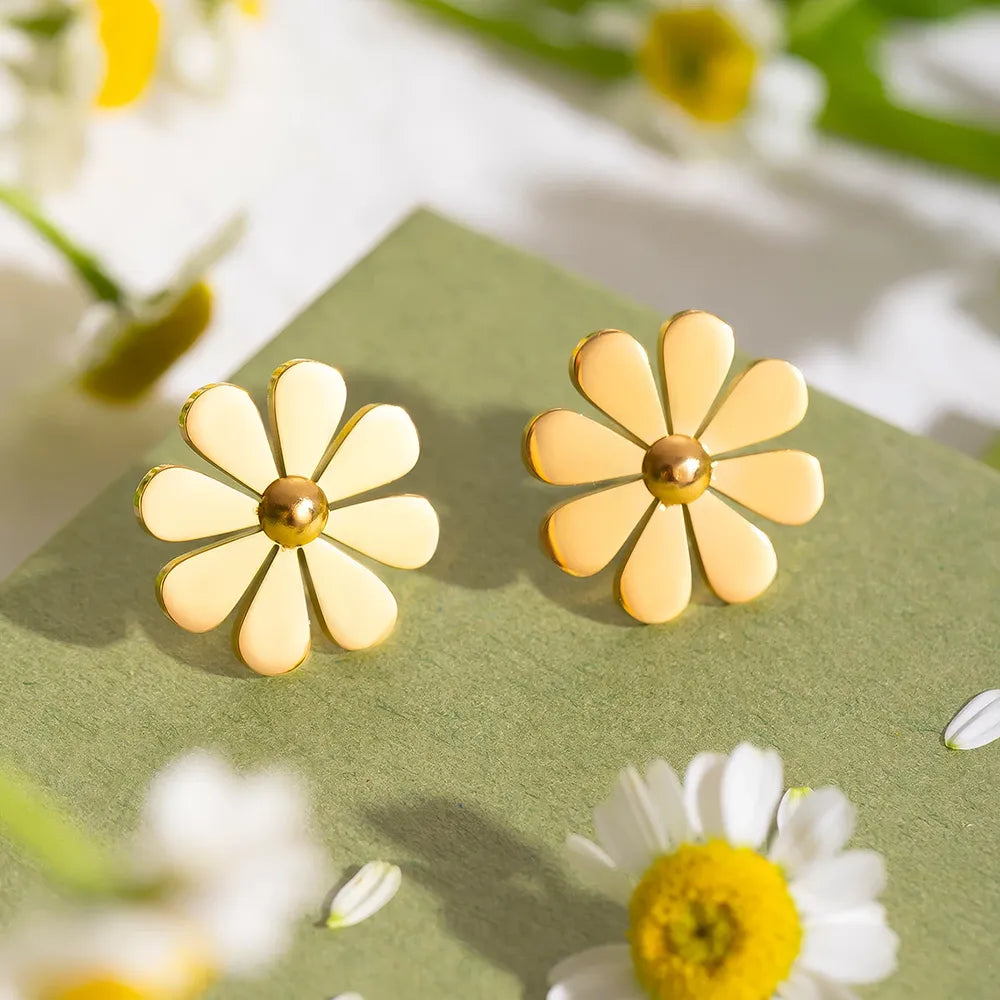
<point x="768" y="399"/>
<point x="612" y="370"/>
<point x="357" y="608"/>
<point x="567" y="449"/>
<point x="398" y="531"/>
<point x="696" y="350"/>
<point x="582" y="535"/>
<point x="273" y="635"/>
<point x="306" y="401"/>
<point x="738" y="558"/>
<point x="177" y="504"/>
<point x="222" y="424"/>
<point x="655" y="583"/>
<point x="198" y="590"/>
<point x="378" y="445"/>
<point x="785" y="486"/>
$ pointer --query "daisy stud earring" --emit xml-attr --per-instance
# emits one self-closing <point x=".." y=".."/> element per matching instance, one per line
<point x="288" y="521"/>
<point x="666" y="467"/>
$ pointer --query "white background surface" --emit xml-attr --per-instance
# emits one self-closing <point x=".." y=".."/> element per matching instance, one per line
<point x="880" y="279"/>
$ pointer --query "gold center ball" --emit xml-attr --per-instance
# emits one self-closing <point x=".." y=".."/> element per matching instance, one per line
<point x="677" y="469"/>
<point x="293" y="511"/>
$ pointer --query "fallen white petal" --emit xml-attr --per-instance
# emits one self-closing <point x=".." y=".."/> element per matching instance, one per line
<point x="364" y="895"/>
<point x="790" y="802"/>
<point x="976" y="723"/>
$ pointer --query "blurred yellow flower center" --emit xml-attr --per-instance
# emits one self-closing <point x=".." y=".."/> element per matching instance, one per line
<point x="252" y="8"/>
<point x="713" y="922"/>
<point x="142" y="350"/>
<point x="697" y="58"/>
<point x="129" y="33"/>
<point x="677" y="469"/>
<point x="191" y="984"/>
<point x="293" y="511"/>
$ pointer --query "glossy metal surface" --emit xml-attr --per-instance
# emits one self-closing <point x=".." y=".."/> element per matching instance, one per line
<point x="399" y="531"/>
<point x="655" y="583"/>
<point x="293" y="511"/>
<point x="783" y="486"/>
<point x="676" y="469"/>
<point x="568" y="449"/>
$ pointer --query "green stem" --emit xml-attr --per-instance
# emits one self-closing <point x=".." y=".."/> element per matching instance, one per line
<point x="69" y="855"/>
<point x="105" y="288"/>
<point x="597" y="60"/>
<point x="874" y="120"/>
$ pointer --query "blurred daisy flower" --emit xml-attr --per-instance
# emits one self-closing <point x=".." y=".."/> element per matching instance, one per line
<point x="718" y="904"/>
<point x="211" y="885"/>
<point x="715" y="75"/>
<point x="132" y="340"/>
<point x="65" y="59"/>
<point x="132" y="953"/>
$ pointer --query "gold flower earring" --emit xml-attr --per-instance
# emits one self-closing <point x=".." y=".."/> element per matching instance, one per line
<point x="285" y="523"/>
<point x="663" y="460"/>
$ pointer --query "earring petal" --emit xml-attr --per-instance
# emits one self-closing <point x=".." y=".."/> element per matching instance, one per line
<point x="611" y="369"/>
<point x="768" y="399"/>
<point x="378" y="445"/>
<point x="306" y="401"/>
<point x="783" y="486"/>
<point x="357" y="608"/>
<point x="223" y="425"/>
<point x="273" y="635"/>
<point x="399" y="531"/>
<point x="696" y="351"/>
<point x="738" y="557"/>
<point x="583" y="535"/>
<point x="199" y="589"/>
<point x="655" y="582"/>
<point x="176" y="504"/>
<point x="568" y="449"/>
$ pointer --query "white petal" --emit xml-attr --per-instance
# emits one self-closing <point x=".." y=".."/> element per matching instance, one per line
<point x="378" y="445"/>
<point x="602" y="973"/>
<point x="818" y="829"/>
<point x="790" y="802"/>
<point x="595" y="867"/>
<point x="751" y="788"/>
<point x="703" y="794"/>
<point x="306" y="400"/>
<point x="365" y="894"/>
<point x="357" y="608"/>
<point x="976" y="723"/>
<point x="199" y="589"/>
<point x="177" y="505"/>
<point x="273" y="636"/>
<point x="863" y="951"/>
<point x="628" y="826"/>
<point x="398" y="531"/>
<point x="348" y="996"/>
<point x="842" y="882"/>
<point x="802" y="985"/>
<point x="667" y="796"/>
<point x="223" y="425"/>
<point x="788" y="95"/>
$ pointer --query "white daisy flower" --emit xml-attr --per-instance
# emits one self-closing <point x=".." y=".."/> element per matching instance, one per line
<point x="715" y="76"/>
<point x="364" y="895"/>
<point x="718" y="906"/>
<point x="976" y="723"/>
<point x="135" y="952"/>
<point x="233" y="855"/>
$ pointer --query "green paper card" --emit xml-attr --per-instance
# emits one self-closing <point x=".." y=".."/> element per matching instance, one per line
<point x="501" y="708"/>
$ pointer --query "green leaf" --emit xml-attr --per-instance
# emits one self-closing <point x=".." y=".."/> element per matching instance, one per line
<point x="73" y="859"/>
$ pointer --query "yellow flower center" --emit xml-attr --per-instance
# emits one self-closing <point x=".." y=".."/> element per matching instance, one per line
<point x="293" y="511"/>
<point x="129" y="33"/>
<point x="252" y="8"/>
<point x="713" y="922"/>
<point x="143" y="350"/>
<point x="191" y="983"/>
<point x="677" y="469"/>
<point x="697" y="58"/>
